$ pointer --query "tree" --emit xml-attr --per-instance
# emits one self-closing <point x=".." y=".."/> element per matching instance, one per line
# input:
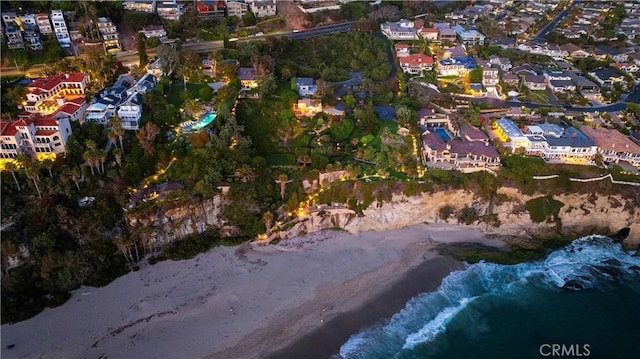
<point x="248" y="19"/>
<point x="282" y="180"/>
<point x="193" y="107"/>
<point x="169" y="59"/>
<point x="405" y="116"/>
<point x="304" y="160"/>
<point x="143" y="59"/>
<point x="215" y="57"/>
<point x="146" y="137"/>
<point x="245" y="173"/>
<point x="367" y="119"/>
<point x="15" y="95"/>
<point x="48" y="164"/>
<point x="75" y="177"/>
<point x="32" y="172"/>
<point x="11" y="166"/>
<point x="342" y="130"/>
<point x="267" y="218"/>
<point x="205" y="94"/>
<point x="266" y="84"/>
<point x="117" y="153"/>
<point x="189" y="65"/>
<point x="349" y="101"/>
<point x="101" y="154"/>
<point x="115" y="124"/>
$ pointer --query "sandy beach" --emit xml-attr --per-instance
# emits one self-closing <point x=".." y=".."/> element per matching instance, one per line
<point x="247" y="301"/>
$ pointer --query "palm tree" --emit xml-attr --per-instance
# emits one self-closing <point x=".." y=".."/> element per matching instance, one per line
<point x="117" y="153"/>
<point x="48" y="164"/>
<point x="282" y="180"/>
<point x="32" y="172"/>
<point x="102" y="156"/>
<point x="193" y="107"/>
<point x="75" y="177"/>
<point x="267" y="218"/>
<point x="215" y="56"/>
<point x="245" y="173"/>
<point x="13" y="168"/>
<point x="117" y="130"/>
<point x="88" y="159"/>
<point x="304" y="160"/>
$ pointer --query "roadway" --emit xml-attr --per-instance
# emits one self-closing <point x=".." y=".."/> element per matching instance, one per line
<point x="542" y="34"/>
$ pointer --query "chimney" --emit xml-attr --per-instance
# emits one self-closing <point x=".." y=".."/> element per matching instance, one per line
<point x="574" y="135"/>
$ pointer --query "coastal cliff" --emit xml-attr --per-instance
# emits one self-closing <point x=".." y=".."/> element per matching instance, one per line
<point x="504" y="214"/>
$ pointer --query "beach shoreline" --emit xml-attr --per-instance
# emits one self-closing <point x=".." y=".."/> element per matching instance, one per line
<point x="243" y="302"/>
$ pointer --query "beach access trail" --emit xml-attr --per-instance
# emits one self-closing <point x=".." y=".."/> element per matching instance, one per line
<point x="232" y="302"/>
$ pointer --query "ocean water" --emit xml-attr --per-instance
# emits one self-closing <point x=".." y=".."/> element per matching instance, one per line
<point x="581" y="301"/>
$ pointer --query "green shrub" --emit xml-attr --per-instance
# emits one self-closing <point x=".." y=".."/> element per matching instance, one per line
<point x="467" y="215"/>
<point x="445" y="212"/>
<point x="542" y="208"/>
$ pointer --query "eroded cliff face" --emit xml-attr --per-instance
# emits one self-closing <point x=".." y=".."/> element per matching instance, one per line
<point x="163" y="226"/>
<point x="581" y="214"/>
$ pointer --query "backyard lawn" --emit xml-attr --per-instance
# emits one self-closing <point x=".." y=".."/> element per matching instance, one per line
<point x="177" y="88"/>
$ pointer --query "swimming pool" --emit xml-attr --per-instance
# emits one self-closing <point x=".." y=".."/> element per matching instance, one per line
<point x="206" y="119"/>
<point x="444" y="134"/>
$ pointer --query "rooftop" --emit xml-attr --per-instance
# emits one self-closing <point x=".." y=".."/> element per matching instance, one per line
<point x="611" y="140"/>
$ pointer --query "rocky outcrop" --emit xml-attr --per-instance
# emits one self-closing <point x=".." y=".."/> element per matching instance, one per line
<point x="164" y="225"/>
<point x="581" y="214"/>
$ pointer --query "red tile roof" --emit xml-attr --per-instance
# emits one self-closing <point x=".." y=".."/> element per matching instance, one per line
<point x="69" y="108"/>
<point x="75" y="77"/>
<point x="46" y="121"/>
<point x="45" y="133"/>
<point x="416" y="59"/>
<point x="401" y="46"/>
<point x="9" y="128"/>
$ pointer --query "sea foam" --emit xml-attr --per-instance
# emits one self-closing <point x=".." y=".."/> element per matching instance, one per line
<point x="588" y="263"/>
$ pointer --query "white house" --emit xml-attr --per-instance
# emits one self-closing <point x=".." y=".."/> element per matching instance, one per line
<point x="263" y="8"/>
<point x="306" y="86"/>
<point x="401" y="30"/>
<point x="150" y="31"/>
<point x="490" y="76"/>
<point x="236" y="8"/>
<point x="60" y="28"/>
<point x="613" y="145"/>
<point x="416" y="63"/>
<point x="34" y="136"/>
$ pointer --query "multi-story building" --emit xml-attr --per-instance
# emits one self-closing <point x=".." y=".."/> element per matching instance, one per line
<point x="263" y="8"/>
<point x="34" y="136"/>
<point x="44" y="25"/>
<point x="459" y="153"/>
<point x="46" y="95"/>
<point x="306" y="86"/>
<point x="401" y="30"/>
<point x="130" y="111"/>
<point x="9" y="18"/>
<point x="237" y="8"/>
<point x="109" y="34"/>
<point x="416" y="63"/>
<point x="210" y="9"/>
<point x="455" y="66"/>
<point x="60" y="28"/>
<point x="150" y="31"/>
<point x="614" y="146"/>
<point x="140" y="5"/>
<point x="490" y="76"/>
<point x="169" y="9"/>
<point x="247" y="77"/>
<point x="14" y="37"/>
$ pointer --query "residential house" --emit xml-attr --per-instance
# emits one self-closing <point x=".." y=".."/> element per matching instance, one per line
<point x="573" y="146"/>
<point x="559" y="81"/>
<point x="429" y="118"/>
<point x="306" y="86"/>
<point x="44" y="25"/>
<point x="402" y="50"/>
<point x="237" y="8"/>
<point x="510" y="79"/>
<point x="455" y="66"/>
<point x="613" y="145"/>
<point x="307" y="107"/>
<point x="509" y="133"/>
<point x="140" y="5"/>
<point x="46" y="95"/>
<point x="416" y="63"/>
<point x="459" y="154"/>
<point x="72" y="110"/>
<point x="428" y="33"/>
<point x="34" y="136"/>
<point x="106" y="105"/>
<point x="574" y="51"/>
<point x="31" y="32"/>
<point x="14" y="37"/>
<point x="210" y="9"/>
<point x="617" y="54"/>
<point x="606" y="77"/>
<point x="60" y="28"/>
<point x="470" y="37"/>
<point x="490" y="76"/>
<point x="446" y="34"/>
<point x="109" y="34"/>
<point x="505" y="43"/>
<point x="401" y="30"/>
<point x="169" y="9"/>
<point x="627" y="67"/>
<point x="455" y="51"/>
<point x="263" y="8"/>
<point x="150" y="31"/>
<point x="502" y="62"/>
<point x="247" y="77"/>
<point x="535" y="82"/>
